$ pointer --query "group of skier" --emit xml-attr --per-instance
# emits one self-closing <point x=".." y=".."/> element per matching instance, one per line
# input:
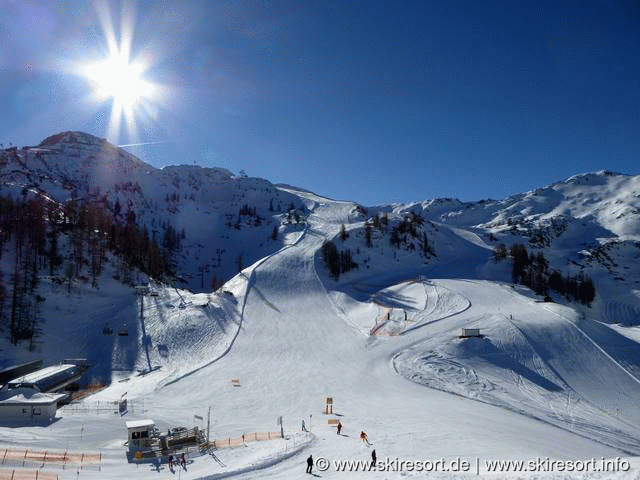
<point x="179" y="461"/>
<point x="363" y="437"/>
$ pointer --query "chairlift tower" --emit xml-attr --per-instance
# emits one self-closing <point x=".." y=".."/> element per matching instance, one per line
<point x="143" y="290"/>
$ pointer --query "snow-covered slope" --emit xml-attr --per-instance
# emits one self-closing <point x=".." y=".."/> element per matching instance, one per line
<point x="556" y="380"/>
<point x="536" y="386"/>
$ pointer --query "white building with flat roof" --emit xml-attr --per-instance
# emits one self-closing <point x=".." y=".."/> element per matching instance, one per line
<point x="25" y="406"/>
<point x="48" y="379"/>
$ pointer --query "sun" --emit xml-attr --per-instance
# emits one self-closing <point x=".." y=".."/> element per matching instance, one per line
<point x="120" y="79"/>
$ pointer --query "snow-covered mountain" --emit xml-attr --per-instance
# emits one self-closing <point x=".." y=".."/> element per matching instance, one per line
<point x="364" y="304"/>
<point x="609" y="200"/>
<point x="227" y="221"/>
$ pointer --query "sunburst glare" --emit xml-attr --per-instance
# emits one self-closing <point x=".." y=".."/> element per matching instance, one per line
<point x="119" y="78"/>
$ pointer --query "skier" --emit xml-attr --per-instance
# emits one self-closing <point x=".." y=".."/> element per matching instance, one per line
<point x="363" y="437"/>
<point x="183" y="461"/>
<point x="309" y="464"/>
<point x="304" y="428"/>
<point x="170" y="461"/>
<point x="339" y="427"/>
<point x="374" y="458"/>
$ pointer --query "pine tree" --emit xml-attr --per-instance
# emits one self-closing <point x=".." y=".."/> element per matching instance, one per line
<point x="556" y="282"/>
<point x="500" y="252"/>
<point x="394" y="238"/>
<point x="424" y="245"/>
<point x="216" y="283"/>
<point x="346" y="262"/>
<point x="331" y="258"/>
<point x="586" y="291"/>
<point x="367" y="235"/>
<point x="343" y="233"/>
<point x="520" y="258"/>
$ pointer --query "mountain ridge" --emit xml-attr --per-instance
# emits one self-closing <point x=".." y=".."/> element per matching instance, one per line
<point x="231" y="221"/>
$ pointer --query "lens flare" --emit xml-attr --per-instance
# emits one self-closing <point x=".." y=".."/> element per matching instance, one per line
<point x="120" y="79"/>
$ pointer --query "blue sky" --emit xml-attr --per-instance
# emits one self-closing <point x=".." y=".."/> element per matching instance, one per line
<point x="371" y="101"/>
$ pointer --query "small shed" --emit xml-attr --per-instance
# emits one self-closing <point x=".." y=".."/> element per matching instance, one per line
<point x="470" y="332"/>
<point x="141" y="434"/>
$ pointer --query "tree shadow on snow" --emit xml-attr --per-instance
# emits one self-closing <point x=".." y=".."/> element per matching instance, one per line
<point x="395" y="300"/>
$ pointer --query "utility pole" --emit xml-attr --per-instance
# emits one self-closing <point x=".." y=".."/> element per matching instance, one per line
<point x="281" y="426"/>
<point x="208" y="425"/>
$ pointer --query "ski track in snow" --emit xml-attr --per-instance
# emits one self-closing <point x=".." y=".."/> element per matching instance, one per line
<point x="442" y="371"/>
<point x="248" y="288"/>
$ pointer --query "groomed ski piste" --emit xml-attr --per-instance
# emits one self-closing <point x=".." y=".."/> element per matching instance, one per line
<point x="542" y="384"/>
